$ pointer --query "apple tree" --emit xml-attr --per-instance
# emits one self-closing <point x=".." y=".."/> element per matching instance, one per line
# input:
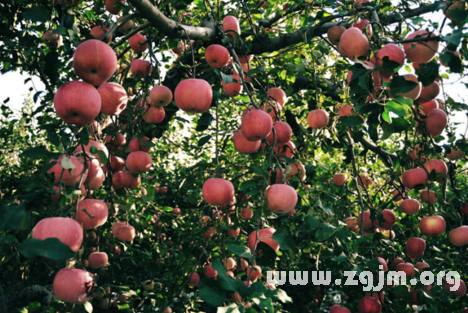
<point x="178" y="151"/>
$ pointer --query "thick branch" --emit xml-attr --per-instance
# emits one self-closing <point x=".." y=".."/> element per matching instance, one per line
<point x="169" y="27"/>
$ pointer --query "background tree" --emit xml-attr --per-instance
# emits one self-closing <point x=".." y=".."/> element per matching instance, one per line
<point x="326" y="125"/>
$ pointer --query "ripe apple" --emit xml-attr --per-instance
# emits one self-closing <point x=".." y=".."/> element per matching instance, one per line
<point x="125" y="27"/>
<point x="245" y="59"/>
<point x="438" y="166"/>
<point x="412" y="94"/>
<point x="339" y="179"/>
<point x="117" y="163"/>
<point x="428" y="196"/>
<point x="428" y="106"/>
<point x="71" y="176"/>
<point x="432" y="225"/>
<point x="408" y="268"/>
<point x="141" y="67"/>
<point x="334" y="34"/>
<point x="87" y="149"/>
<point x="410" y="206"/>
<point x="364" y="180"/>
<point x="317" y="118"/>
<point x="179" y="49"/>
<point x="459" y="236"/>
<point x="160" y="96"/>
<point x="99" y="31"/>
<point x="138" y="162"/>
<point x="436" y="122"/>
<point x="73" y="285"/>
<point x="77" y="103"/>
<point x="353" y="43"/>
<point x="53" y="41"/>
<point x="164" y="189"/>
<point x="230" y="264"/>
<point x="415" y="248"/>
<point x="246" y="213"/>
<point x="97" y="209"/>
<point x="112" y="8"/>
<point x="351" y="223"/>
<point x="254" y="272"/>
<point x="414" y="177"/>
<point x="281" y="198"/>
<point x="264" y="235"/>
<point x="295" y="169"/>
<point x="233" y="232"/>
<point x="455" y="154"/>
<point x="370" y="305"/>
<point x="116" y="226"/>
<point x="231" y="27"/>
<point x="421" y="52"/>
<point x="210" y="272"/>
<point x="287" y="150"/>
<point x="338" y="308"/>
<point x="273" y="109"/>
<point x="368" y="223"/>
<point x="429" y="93"/>
<point x="154" y="115"/>
<point x="233" y="88"/>
<point x="98" y="259"/>
<point x="393" y="52"/>
<point x="125" y="233"/>
<point x="113" y="98"/>
<point x="193" y="95"/>
<point x="345" y="110"/>
<point x="421" y="266"/>
<point x="96" y="181"/>
<point x="137" y="144"/>
<point x="389" y="217"/>
<point x="283" y="134"/>
<point x="138" y="43"/>
<point x="460" y="292"/>
<point x="256" y="125"/>
<point x="383" y="263"/>
<point x="278" y="95"/>
<point x="361" y="24"/>
<point x="94" y="62"/>
<point x="67" y="230"/>
<point x="217" y="56"/>
<point x="243" y="145"/>
<point x="194" y="279"/>
<point x="218" y="191"/>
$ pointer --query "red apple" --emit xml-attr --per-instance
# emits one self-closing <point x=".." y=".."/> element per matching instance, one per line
<point x="244" y="59"/>
<point x="231" y="27"/>
<point x="125" y="233"/>
<point x="210" y="272"/>
<point x="96" y="181"/>
<point x="67" y="230"/>
<point x="421" y="52"/>
<point x="459" y="236"/>
<point x="74" y="169"/>
<point x="339" y="179"/>
<point x="98" y="259"/>
<point x="233" y="88"/>
<point x="193" y="95"/>
<point x="428" y="106"/>
<point x="194" y="279"/>
<point x="116" y="226"/>
<point x="141" y="67"/>
<point x="295" y="169"/>
<point x="138" y="43"/>
<point x="368" y="223"/>
<point x="287" y="150"/>
<point x="317" y="118"/>
<point x="428" y="196"/>
<point x="94" y="62"/>
<point x="281" y="198"/>
<point x="154" y="115"/>
<point x="410" y="206"/>
<point x="117" y="163"/>
<point x="112" y="8"/>
<point x="99" y="31"/>
<point x="125" y="27"/>
<point x="218" y="191"/>
<point x="77" y="103"/>
<point x="87" y="149"/>
<point x="137" y="144"/>
<point x="389" y="218"/>
<point x="353" y="43"/>
<point x="421" y="266"/>
<point x="415" y="248"/>
<point x="345" y="110"/>
<point x="283" y="134"/>
<point x="277" y="95"/>
<point x="393" y="52"/>
<point x="338" y="308"/>
<point x="430" y="92"/>
<point x="96" y="213"/>
<point x="52" y="40"/>
<point x="414" y="177"/>
<point x="256" y="125"/>
<point x="370" y="305"/>
<point x="138" y="162"/>
<point x="113" y="98"/>
<point x="264" y="235"/>
<point x="436" y="122"/>
<point x="217" y="56"/>
<point x="230" y="264"/>
<point x="432" y="226"/>
<point x="254" y="272"/>
<point x="460" y="292"/>
<point x="243" y="145"/>
<point x="361" y="24"/>
<point x="160" y="96"/>
<point x="73" y="285"/>
<point x="273" y="109"/>
<point x="438" y="166"/>
<point x="408" y="268"/>
<point x="246" y="213"/>
<point x="455" y="154"/>
<point x="334" y="34"/>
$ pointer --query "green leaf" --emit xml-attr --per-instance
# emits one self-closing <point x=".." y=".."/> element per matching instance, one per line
<point x="428" y="73"/>
<point x="248" y="184"/>
<point x="351" y="121"/>
<point x="311" y="223"/>
<point x="324" y="232"/>
<point x="227" y="283"/>
<point x="232" y="308"/>
<point x="212" y="296"/>
<point x="204" y="121"/>
<point x="36" y="153"/>
<point x="37" y="14"/>
<point x="7" y="242"/>
<point x="11" y="217"/>
<point x="281" y="295"/>
<point x="395" y="107"/>
<point x="455" y="38"/>
<point x="102" y="157"/>
<point x="88" y="307"/>
<point x="203" y="140"/>
<point x="51" y="248"/>
<point x="260" y="171"/>
<point x="239" y="250"/>
<point x="399" y="85"/>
